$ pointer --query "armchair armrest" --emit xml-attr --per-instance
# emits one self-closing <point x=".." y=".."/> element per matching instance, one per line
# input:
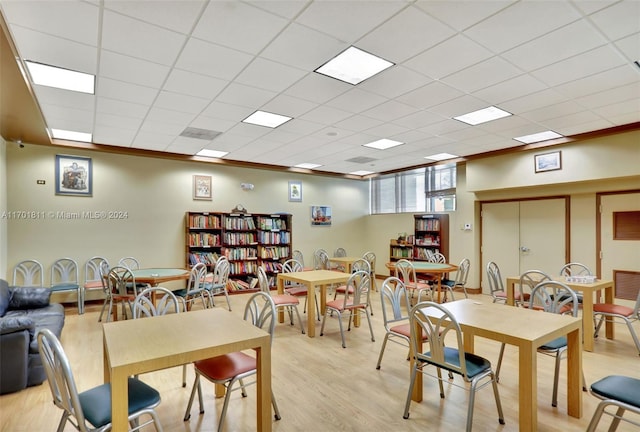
<point x="29" y="297"/>
<point x="12" y="324"/>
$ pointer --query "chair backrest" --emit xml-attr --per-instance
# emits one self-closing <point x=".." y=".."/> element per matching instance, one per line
<point x="263" y="280"/>
<point x="195" y="283"/>
<point x="292" y="265"/>
<point x="320" y="259"/>
<point x="575" y="269"/>
<point x="371" y="258"/>
<point x="340" y="252"/>
<point x="438" y="257"/>
<point x="438" y="325"/>
<point x="120" y="280"/>
<point x="28" y="273"/>
<point x="129" y="262"/>
<point x="393" y="295"/>
<point x="166" y="302"/>
<point x="60" y="377"/>
<point x="554" y="297"/>
<point x="261" y="312"/>
<point x="406" y="272"/>
<point x="221" y="274"/>
<point x="495" y="279"/>
<point x="105" y="268"/>
<point x="297" y="255"/>
<point x="463" y="272"/>
<point x="358" y="290"/>
<point x="92" y="269"/>
<point x="530" y="279"/>
<point x="360" y="265"/>
<point x="64" y="271"/>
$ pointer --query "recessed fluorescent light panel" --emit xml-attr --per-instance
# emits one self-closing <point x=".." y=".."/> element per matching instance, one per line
<point x="383" y="144"/>
<point x="482" y="116"/>
<point x="307" y="166"/>
<point x="353" y="66"/>
<point x="212" y="153"/>
<point x="361" y="173"/>
<point x="71" y="135"/>
<point x="441" y="156"/>
<point x="52" y="76"/>
<point x="263" y="118"/>
<point x="541" y="136"/>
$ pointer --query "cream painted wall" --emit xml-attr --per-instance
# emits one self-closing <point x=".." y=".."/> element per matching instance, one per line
<point x="609" y="157"/>
<point x="3" y="206"/>
<point x="155" y="194"/>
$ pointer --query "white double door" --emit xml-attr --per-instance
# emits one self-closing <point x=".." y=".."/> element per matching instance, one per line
<point x="524" y="235"/>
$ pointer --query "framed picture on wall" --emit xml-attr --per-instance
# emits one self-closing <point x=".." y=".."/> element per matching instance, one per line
<point x="295" y="191"/>
<point x="548" y="161"/>
<point x="202" y="187"/>
<point x="74" y="175"/>
<point x="321" y="215"/>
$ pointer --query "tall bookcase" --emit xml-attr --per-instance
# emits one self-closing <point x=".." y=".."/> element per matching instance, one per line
<point x="247" y="240"/>
<point x="431" y="234"/>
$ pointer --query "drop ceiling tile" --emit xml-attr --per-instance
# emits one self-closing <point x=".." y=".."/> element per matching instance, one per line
<point x="170" y="117"/>
<point x="180" y="102"/>
<point x="285" y="9"/>
<point x="455" y="107"/>
<point x="619" y="20"/>
<point x="599" y="82"/>
<point x="481" y="75"/>
<point x="419" y="119"/>
<point x="611" y="96"/>
<point x="193" y="84"/>
<point x="210" y="123"/>
<point x="390" y="110"/>
<point x="405" y="35"/>
<point x="443" y="127"/>
<point x="510" y="89"/>
<point x="556" y="110"/>
<point x="160" y="127"/>
<point x="289" y="106"/>
<point x="122" y="108"/>
<point x="134" y="38"/>
<point x="358" y="123"/>
<point x="474" y="11"/>
<point x="68" y="118"/>
<point x="386" y="130"/>
<point x="178" y="16"/>
<point x="238" y="25"/>
<point x="115" y="122"/>
<point x="588" y="127"/>
<point x="356" y="100"/>
<point x="302" y="127"/>
<point x="103" y="134"/>
<point x="213" y="60"/>
<point x="131" y="70"/>
<point x="630" y="46"/>
<point x="430" y="95"/>
<point x="278" y="136"/>
<point x="326" y="115"/>
<point x="150" y="140"/>
<point x="249" y="130"/>
<point x="533" y="101"/>
<point x="227" y="111"/>
<point x="269" y="75"/>
<point x="246" y="96"/>
<point x="317" y="88"/>
<point x="630" y="106"/>
<point x="64" y="98"/>
<point x="184" y="145"/>
<point x="229" y="141"/>
<point x="394" y="82"/>
<point x="564" y="122"/>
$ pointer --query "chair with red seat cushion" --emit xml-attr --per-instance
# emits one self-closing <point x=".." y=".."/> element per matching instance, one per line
<point x="230" y="368"/>
<point x="406" y="272"/>
<point x="620" y="313"/>
<point x="295" y="289"/>
<point x="93" y="280"/>
<point x="357" y="299"/>
<point x="282" y="301"/>
<point x="358" y="265"/>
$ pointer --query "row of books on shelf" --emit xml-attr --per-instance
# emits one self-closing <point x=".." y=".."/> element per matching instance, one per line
<point x="425" y="254"/>
<point x="397" y="252"/>
<point x="239" y="223"/>
<point x="272" y="237"/>
<point x="273" y="252"/>
<point x="240" y="238"/>
<point x="204" y="239"/>
<point x="244" y="267"/>
<point x="272" y="223"/>
<point x="235" y="254"/>
<point x="428" y="241"/>
<point x="204" y="221"/>
<point x="427" y="224"/>
<point x="235" y="285"/>
<point x="208" y="258"/>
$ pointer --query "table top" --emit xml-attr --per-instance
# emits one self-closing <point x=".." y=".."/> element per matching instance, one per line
<point x="598" y="284"/>
<point x="345" y="259"/>
<point x="315" y="276"/>
<point x="159" y="275"/>
<point x="427" y="266"/>
<point x="155" y="343"/>
<point x="509" y="324"/>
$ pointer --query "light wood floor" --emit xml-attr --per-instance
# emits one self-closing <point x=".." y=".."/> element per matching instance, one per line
<point x="320" y="386"/>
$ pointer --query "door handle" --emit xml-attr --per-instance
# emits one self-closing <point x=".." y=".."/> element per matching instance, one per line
<point x="524" y="249"/>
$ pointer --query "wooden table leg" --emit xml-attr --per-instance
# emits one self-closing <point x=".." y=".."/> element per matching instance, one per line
<point x="609" y="295"/>
<point x="280" y="285"/>
<point x="311" y="310"/>
<point x="574" y="373"/>
<point x="416" y="395"/>
<point x="528" y="388"/>
<point x="587" y="321"/>
<point x="263" y="360"/>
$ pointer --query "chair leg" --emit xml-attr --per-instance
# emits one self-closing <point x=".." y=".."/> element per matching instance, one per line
<point x="496" y="395"/>
<point x="63" y="421"/>
<point x="344" y="344"/>
<point x="554" y="399"/>
<point x="500" y="362"/>
<point x="373" y="339"/>
<point x="299" y="319"/>
<point x="194" y="389"/>
<point x="412" y="381"/>
<point x="225" y="405"/>
<point x="184" y="375"/>
<point x="384" y="345"/>
<point x="633" y="335"/>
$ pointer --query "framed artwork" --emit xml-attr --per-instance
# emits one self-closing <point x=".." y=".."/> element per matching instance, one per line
<point x="202" y="187"/>
<point x="321" y="215"/>
<point x="548" y="161"/>
<point x="295" y="191"/>
<point x="74" y="175"/>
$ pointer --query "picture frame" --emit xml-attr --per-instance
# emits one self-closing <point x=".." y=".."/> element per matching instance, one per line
<point x="321" y="215"/>
<point x="548" y="161"/>
<point x="295" y="191"/>
<point x="202" y="187"/>
<point x="74" y="175"/>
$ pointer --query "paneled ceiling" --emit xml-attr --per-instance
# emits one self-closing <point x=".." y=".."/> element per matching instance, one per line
<point x="164" y="66"/>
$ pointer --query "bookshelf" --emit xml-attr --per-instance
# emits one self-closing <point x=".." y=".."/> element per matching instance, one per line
<point x="247" y="240"/>
<point x="431" y="234"/>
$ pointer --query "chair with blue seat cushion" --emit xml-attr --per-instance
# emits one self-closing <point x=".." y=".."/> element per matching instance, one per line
<point x="460" y="280"/>
<point x="28" y="273"/>
<point x="622" y="392"/>
<point x="434" y="321"/>
<point x="64" y="278"/>
<point x="195" y="289"/>
<point x="91" y="409"/>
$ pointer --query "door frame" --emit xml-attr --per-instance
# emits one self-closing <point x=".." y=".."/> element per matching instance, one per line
<point x="567" y="224"/>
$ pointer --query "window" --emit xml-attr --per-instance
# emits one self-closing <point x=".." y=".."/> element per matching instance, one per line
<point x="429" y="189"/>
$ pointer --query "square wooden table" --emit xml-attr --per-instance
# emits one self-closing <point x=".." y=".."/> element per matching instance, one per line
<point x="143" y="345"/>
<point x="312" y="279"/>
<point x="429" y="268"/>
<point x="588" y="290"/>
<point x="528" y="330"/>
<point x="344" y="262"/>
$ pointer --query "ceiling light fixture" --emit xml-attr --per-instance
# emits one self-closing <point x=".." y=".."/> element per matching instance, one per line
<point x="361" y="173"/>
<point x="353" y="66"/>
<point x="537" y="137"/>
<point x="212" y="153"/>
<point x="53" y="76"/>
<point x="482" y="116"/>
<point x="383" y="144"/>
<point x="307" y="166"/>
<point x="71" y="135"/>
<point x="267" y="119"/>
<point x="441" y="156"/>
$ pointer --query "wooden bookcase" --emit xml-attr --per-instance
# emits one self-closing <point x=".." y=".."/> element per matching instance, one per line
<point x="431" y="234"/>
<point x="247" y="240"/>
